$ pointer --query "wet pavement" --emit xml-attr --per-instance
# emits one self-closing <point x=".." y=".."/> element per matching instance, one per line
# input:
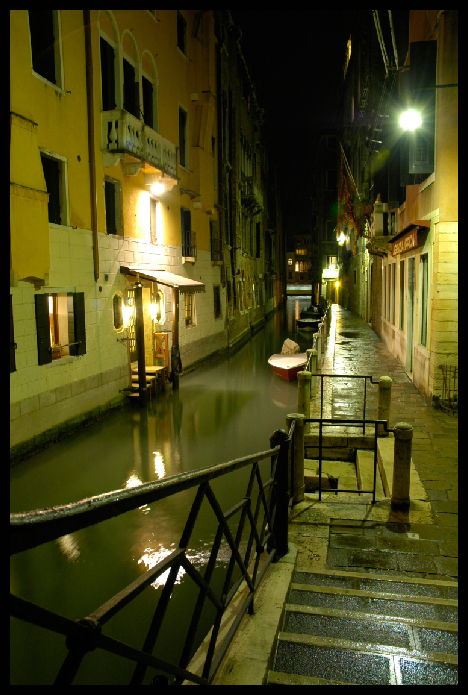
<point x="344" y="531"/>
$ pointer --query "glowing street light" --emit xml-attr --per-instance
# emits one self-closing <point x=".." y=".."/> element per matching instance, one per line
<point x="410" y="120"/>
<point x="341" y="239"/>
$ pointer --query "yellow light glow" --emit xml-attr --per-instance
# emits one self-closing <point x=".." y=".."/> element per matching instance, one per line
<point x="159" y="464"/>
<point x="341" y="239"/>
<point x="410" y="120"/>
<point x="337" y="284"/>
<point x="127" y="313"/>
<point x="157" y="188"/>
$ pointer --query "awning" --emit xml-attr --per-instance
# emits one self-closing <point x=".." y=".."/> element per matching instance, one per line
<point x="163" y="277"/>
<point x="423" y="224"/>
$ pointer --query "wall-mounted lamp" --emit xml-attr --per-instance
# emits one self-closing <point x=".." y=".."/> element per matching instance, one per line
<point x="337" y="284"/>
<point x="158" y="308"/>
<point x="341" y="239"/>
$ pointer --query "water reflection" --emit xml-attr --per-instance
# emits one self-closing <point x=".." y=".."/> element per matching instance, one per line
<point x="222" y="411"/>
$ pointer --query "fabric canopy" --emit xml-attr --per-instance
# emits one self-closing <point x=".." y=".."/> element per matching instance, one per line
<point x="163" y="277"/>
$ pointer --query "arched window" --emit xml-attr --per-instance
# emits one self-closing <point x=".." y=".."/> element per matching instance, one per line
<point x="131" y="76"/>
<point x="149" y="88"/>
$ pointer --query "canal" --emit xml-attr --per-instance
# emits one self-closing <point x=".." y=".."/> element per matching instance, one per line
<point x="222" y="411"/>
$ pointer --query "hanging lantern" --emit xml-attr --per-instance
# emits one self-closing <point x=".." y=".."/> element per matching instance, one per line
<point x="158" y="308"/>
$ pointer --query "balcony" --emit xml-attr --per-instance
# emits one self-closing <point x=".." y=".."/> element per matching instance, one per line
<point x="189" y="246"/>
<point x="251" y="195"/>
<point x="123" y="133"/>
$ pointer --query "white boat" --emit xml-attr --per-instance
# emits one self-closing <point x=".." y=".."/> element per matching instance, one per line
<point x="287" y="366"/>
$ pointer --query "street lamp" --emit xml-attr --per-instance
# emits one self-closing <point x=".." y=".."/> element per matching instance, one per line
<point x="341" y="239"/>
<point x="410" y="119"/>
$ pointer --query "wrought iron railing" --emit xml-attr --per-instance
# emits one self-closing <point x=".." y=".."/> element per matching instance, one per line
<point x="449" y="399"/>
<point x="353" y="423"/>
<point x="189" y="244"/>
<point x="268" y="543"/>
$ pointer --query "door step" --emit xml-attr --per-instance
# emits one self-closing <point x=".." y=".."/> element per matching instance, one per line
<point x="357" y="628"/>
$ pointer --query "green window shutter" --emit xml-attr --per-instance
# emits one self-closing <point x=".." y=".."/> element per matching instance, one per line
<point x="76" y="323"/>
<point x="12" y="339"/>
<point x="79" y="325"/>
<point x="44" y="354"/>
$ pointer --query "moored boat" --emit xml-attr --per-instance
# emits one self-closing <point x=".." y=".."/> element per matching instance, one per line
<point x="287" y="366"/>
<point x="308" y="324"/>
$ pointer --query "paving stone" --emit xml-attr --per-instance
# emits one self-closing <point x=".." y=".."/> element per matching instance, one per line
<point x="437" y="495"/>
<point x="450" y="507"/>
<point x="340" y="540"/>
<point x="447" y="565"/>
<point x="446" y="519"/>
<point x="449" y="548"/>
<point x="416" y="563"/>
<point x="406" y="545"/>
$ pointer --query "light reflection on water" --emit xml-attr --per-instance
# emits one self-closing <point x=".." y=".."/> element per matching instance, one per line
<point x="222" y="411"/>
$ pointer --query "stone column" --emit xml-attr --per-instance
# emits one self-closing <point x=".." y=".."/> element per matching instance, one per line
<point x="297" y="456"/>
<point x="313" y="370"/>
<point x="303" y="396"/>
<point x="384" y="400"/>
<point x="401" y="466"/>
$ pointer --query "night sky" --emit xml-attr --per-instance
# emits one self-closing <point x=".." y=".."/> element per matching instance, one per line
<point x="295" y="59"/>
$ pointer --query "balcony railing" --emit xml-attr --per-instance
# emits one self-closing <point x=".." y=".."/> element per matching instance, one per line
<point x="122" y="132"/>
<point x="251" y="194"/>
<point x="189" y="244"/>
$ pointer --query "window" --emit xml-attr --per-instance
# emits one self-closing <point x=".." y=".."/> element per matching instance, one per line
<point x="216" y="242"/>
<point x="181" y="33"/>
<point x="55" y="178"/>
<point x="217" y="301"/>
<point x="107" y="76"/>
<point x="148" y="110"/>
<point x="45" y="45"/>
<point x="424" y="296"/>
<point x="290" y="261"/>
<point x="118" y="313"/>
<point x="189" y="310"/>
<point x="60" y="324"/>
<point x="113" y="203"/>
<point x="393" y="292"/>
<point x="189" y="248"/>
<point x="156" y="222"/>
<point x="402" y="295"/>
<point x="183" y="156"/>
<point x="130" y="90"/>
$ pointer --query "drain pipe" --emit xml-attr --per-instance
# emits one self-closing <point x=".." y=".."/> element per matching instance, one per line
<point x="91" y="153"/>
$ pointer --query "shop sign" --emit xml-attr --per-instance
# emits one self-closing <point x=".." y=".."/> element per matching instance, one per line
<point x="409" y="241"/>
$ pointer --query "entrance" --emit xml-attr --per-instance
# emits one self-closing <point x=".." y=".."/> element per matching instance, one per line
<point x="410" y="315"/>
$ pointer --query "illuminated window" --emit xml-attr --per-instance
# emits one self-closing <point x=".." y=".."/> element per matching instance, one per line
<point x="290" y="261"/>
<point x="190" y="314"/>
<point x="296" y="267"/>
<point x="60" y="325"/>
<point x="117" y="302"/>
<point x="156" y="221"/>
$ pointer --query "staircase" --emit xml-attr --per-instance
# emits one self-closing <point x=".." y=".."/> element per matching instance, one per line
<point x="348" y="628"/>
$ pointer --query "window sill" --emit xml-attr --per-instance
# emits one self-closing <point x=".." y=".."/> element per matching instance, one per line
<point x="49" y="84"/>
<point x="189" y="259"/>
<point x="62" y="360"/>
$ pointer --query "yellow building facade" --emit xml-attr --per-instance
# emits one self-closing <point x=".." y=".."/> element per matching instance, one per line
<point x="114" y="173"/>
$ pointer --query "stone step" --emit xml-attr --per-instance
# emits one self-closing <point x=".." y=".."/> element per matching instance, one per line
<point x="361" y="663"/>
<point x="365" y="474"/>
<point x="409" y="633"/>
<point x="383" y="583"/>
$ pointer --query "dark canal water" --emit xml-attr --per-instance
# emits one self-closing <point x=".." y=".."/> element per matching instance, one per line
<point x="221" y="412"/>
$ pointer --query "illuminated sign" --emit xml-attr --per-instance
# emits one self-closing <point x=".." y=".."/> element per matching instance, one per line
<point x="409" y="241"/>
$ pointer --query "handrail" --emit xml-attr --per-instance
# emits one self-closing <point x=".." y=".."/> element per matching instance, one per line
<point x="32" y="529"/>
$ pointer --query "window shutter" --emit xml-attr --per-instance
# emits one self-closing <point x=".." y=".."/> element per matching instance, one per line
<point x="12" y="339"/>
<point x="76" y="323"/>
<point x="44" y="354"/>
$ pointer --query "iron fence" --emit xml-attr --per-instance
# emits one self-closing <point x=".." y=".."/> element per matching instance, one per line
<point x="449" y="399"/>
<point x="267" y="543"/>
<point x="355" y="423"/>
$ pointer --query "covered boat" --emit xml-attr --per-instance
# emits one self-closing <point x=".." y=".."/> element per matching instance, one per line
<point x="287" y="366"/>
<point x="308" y="324"/>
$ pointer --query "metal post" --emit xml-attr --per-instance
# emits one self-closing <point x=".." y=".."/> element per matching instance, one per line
<point x="280" y="522"/>
<point x="303" y="395"/>
<point x="401" y="466"/>
<point x="297" y="473"/>
<point x="319" y="350"/>
<point x="384" y="400"/>
<point x="175" y="350"/>
<point x="140" y="342"/>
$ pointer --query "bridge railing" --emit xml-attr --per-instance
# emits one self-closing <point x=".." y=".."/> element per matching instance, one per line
<point x="263" y="512"/>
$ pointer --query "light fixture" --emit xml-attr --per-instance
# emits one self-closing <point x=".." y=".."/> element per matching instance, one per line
<point x="158" y="308"/>
<point x="410" y="120"/>
<point x="157" y="188"/>
<point x="341" y="239"/>
<point x="337" y="284"/>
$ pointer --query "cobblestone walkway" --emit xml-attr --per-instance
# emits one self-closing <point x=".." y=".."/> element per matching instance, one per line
<point x="423" y="545"/>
